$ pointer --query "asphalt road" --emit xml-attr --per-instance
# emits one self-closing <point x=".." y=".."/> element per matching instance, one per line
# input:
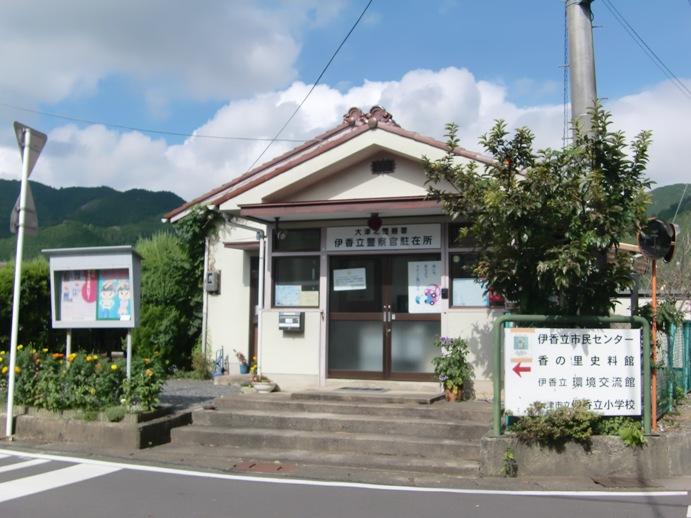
<point x="38" y="486"/>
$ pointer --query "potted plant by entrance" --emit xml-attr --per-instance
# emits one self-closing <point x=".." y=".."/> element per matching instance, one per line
<point x="261" y="383"/>
<point x="244" y="364"/>
<point x="452" y="367"/>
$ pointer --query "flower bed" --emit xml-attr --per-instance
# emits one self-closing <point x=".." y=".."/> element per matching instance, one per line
<point x="81" y="381"/>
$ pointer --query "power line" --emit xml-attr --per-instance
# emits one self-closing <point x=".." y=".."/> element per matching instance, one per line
<point x="679" y="204"/>
<point x="144" y="130"/>
<point x="647" y="49"/>
<point x="314" y="85"/>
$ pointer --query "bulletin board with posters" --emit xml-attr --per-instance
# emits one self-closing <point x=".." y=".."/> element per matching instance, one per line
<point x="94" y="287"/>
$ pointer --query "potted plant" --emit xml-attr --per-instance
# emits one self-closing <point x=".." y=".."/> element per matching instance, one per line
<point x="452" y="367"/>
<point x="244" y="364"/>
<point x="260" y="383"/>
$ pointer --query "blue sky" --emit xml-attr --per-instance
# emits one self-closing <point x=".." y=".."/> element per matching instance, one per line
<point x="239" y="68"/>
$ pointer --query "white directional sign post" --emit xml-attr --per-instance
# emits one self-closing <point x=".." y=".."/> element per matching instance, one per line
<point x="559" y="366"/>
<point x="31" y="144"/>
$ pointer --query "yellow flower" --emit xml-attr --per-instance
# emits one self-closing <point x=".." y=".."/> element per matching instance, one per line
<point x="148" y="373"/>
<point x="93" y="391"/>
<point x="20" y="347"/>
<point x="45" y="349"/>
<point x="2" y="359"/>
<point x="146" y="361"/>
<point x="71" y="357"/>
<point x="113" y="367"/>
<point x="17" y="370"/>
<point x="5" y="369"/>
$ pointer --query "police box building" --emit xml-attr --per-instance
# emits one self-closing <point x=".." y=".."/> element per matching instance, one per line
<point x="333" y="267"/>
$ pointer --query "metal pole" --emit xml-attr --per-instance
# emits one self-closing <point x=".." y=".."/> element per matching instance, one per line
<point x="129" y="354"/>
<point x="653" y="347"/>
<point x="17" y="282"/>
<point x="581" y="60"/>
<point x="68" y="343"/>
<point x="205" y="299"/>
<point x="260" y="298"/>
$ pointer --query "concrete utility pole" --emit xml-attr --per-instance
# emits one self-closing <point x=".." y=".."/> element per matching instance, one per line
<point x="581" y="60"/>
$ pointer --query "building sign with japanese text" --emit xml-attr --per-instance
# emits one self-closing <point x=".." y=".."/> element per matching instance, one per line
<point x="388" y="237"/>
<point x="558" y="366"/>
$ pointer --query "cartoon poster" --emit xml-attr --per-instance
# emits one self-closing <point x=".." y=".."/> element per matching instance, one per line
<point x="77" y="295"/>
<point x="114" y="295"/>
<point x="424" y="287"/>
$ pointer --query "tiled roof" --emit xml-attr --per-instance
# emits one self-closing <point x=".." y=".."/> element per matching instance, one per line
<point x="355" y="122"/>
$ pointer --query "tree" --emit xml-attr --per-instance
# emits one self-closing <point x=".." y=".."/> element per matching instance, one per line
<point x="546" y="221"/>
<point x="171" y="304"/>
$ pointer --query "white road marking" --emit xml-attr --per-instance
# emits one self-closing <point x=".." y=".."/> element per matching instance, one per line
<point x="52" y="479"/>
<point x="21" y="465"/>
<point x="688" y="512"/>
<point x="321" y="483"/>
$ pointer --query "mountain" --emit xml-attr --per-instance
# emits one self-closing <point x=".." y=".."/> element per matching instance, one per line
<point x="84" y="216"/>
<point x="666" y="200"/>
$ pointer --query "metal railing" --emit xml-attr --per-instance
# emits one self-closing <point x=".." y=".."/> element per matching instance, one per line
<point x="674" y="367"/>
<point x="552" y="319"/>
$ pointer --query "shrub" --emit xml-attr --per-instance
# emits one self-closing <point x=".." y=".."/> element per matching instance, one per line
<point x="115" y="414"/>
<point x="554" y="428"/>
<point x="451" y="367"/>
<point x="148" y="377"/>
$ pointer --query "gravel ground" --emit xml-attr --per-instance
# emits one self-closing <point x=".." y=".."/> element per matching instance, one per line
<point x="185" y="393"/>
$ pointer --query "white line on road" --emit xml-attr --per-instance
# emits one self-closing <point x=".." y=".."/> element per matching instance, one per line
<point x="321" y="483"/>
<point x="51" y="480"/>
<point x="688" y="512"/>
<point x="21" y="465"/>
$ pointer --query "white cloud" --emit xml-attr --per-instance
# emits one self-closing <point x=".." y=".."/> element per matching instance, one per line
<point x="210" y="49"/>
<point x="422" y="101"/>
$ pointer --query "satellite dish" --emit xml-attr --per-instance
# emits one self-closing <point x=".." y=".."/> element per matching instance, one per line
<point x="657" y="238"/>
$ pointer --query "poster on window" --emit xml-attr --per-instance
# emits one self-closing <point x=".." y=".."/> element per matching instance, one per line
<point x="78" y="295"/>
<point x="114" y="300"/>
<point x="287" y="295"/>
<point x="349" y="279"/>
<point x="468" y="292"/>
<point x="424" y="287"/>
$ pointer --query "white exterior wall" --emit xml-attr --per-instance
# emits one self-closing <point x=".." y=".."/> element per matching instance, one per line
<point x="291" y="359"/>
<point x="228" y="312"/>
<point x="475" y="325"/>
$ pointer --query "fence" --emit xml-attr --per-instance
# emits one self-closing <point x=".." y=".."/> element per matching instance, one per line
<point x="673" y="366"/>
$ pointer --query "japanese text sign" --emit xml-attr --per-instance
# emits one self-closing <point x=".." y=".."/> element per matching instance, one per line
<point x="388" y="237"/>
<point x="559" y="366"/>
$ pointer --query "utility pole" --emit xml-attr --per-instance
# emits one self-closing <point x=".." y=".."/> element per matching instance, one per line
<point x="579" y="20"/>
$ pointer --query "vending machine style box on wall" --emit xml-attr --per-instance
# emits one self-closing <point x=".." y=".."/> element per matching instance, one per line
<point x="96" y="287"/>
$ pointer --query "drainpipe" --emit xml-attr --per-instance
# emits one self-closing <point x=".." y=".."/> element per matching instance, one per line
<point x="205" y="298"/>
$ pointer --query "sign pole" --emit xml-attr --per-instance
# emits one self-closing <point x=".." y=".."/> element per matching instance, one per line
<point x="68" y="344"/>
<point x="17" y="282"/>
<point x="129" y="354"/>
<point x="653" y="349"/>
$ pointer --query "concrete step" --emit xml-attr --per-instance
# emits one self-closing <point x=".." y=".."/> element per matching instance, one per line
<point x="474" y="411"/>
<point x="328" y="422"/>
<point x="258" y="438"/>
<point x="354" y="396"/>
<point x="237" y="458"/>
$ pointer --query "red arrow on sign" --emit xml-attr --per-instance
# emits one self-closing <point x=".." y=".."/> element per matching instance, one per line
<point x="518" y="369"/>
